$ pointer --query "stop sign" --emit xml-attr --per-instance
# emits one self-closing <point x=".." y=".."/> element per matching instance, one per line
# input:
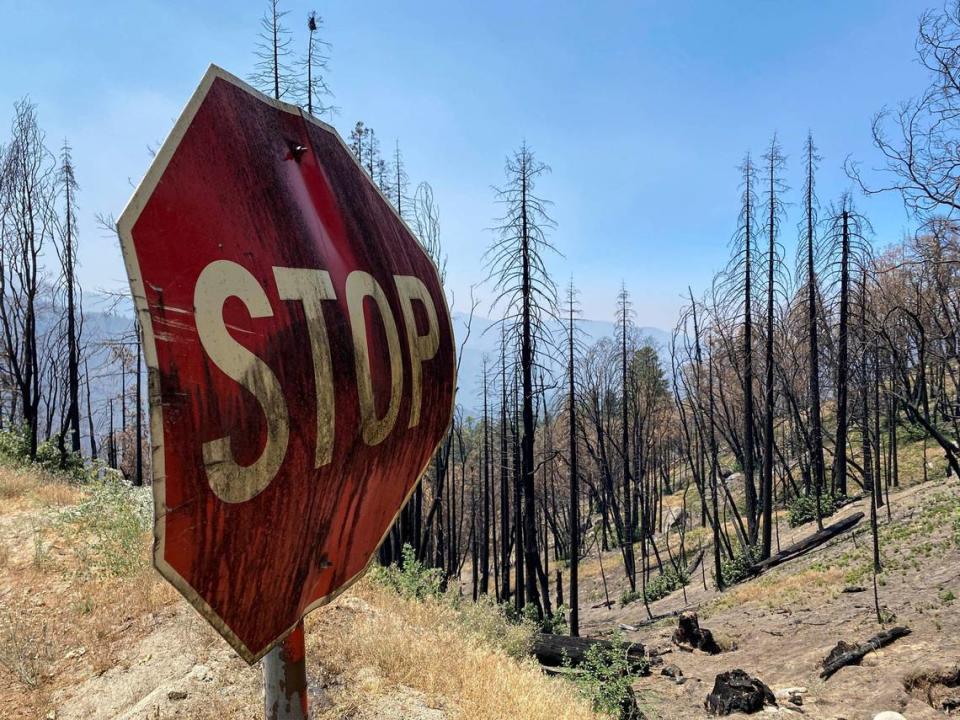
<point x="300" y="355"/>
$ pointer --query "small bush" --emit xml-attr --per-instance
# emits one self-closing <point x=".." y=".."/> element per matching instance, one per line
<point x="956" y="531"/>
<point x="491" y="622"/>
<point x="606" y="677"/>
<point x="661" y="586"/>
<point x="739" y="568"/>
<point x="25" y="654"/>
<point x="411" y="578"/>
<point x="110" y="524"/>
<point x="803" y="509"/>
<point x="15" y="451"/>
<point x="912" y="432"/>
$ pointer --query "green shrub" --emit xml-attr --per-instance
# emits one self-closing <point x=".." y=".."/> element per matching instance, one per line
<point x="110" y="524"/>
<point x="803" y="508"/>
<point x="661" y="586"/>
<point x="739" y="568"/>
<point x="912" y="432"/>
<point x="15" y="446"/>
<point x="410" y="577"/>
<point x="15" y="451"/>
<point x="665" y="583"/>
<point x="606" y="677"/>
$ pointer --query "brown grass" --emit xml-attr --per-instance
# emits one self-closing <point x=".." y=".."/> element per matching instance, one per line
<point x="780" y="589"/>
<point x="425" y="646"/>
<point x="378" y="646"/>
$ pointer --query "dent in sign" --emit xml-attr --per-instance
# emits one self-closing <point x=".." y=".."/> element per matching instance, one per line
<point x="223" y="279"/>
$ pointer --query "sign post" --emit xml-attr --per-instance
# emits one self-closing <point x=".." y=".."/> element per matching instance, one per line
<point x="285" y="678"/>
<point x="301" y="367"/>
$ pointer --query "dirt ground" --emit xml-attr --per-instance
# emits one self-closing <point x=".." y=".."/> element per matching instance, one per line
<point x="784" y="623"/>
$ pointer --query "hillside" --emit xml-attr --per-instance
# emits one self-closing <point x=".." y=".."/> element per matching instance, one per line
<point x="780" y="626"/>
<point x="88" y="631"/>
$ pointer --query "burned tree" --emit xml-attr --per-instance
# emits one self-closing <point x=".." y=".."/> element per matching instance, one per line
<point x="527" y="294"/>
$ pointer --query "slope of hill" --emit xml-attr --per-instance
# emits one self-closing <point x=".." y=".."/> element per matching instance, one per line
<point x="88" y="631"/>
<point x="780" y="626"/>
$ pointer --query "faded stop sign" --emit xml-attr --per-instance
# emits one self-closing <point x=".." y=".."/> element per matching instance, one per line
<point x="300" y="355"/>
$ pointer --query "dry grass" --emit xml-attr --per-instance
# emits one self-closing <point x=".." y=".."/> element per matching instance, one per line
<point x="427" y="647"/>
<point x="380" y="650"/>
<point x="23" y="488"/>
<point x="779" y="590"/>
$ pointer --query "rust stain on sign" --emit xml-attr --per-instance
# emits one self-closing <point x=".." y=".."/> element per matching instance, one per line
<point x="300" y="353"/>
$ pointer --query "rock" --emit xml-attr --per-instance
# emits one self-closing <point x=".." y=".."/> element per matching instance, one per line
<point x="854" y="589"/>
<point x="950" y="703"/>
<point x="689" y="634"/>
<point x="889" y="715"/>
<point x="176" y="695"/>
<point x="736" y="691"/>
<point x="792" y="695"/>
<point x="201" y="673"/>
<point x="673" y="672"/>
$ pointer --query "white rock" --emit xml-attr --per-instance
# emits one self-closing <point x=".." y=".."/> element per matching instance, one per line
<point x="201" y="673"/>
<point x="889" y="715"/>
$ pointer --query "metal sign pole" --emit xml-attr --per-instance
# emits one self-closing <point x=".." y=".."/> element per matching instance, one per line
<point x="285" y="679"/>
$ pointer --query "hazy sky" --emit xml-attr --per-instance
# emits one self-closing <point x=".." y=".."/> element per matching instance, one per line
<point x="642" y="109"/>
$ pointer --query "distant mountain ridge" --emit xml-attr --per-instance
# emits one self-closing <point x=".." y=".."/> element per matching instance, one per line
<point x="484" y="339"/>
<point x="105" y="319"/>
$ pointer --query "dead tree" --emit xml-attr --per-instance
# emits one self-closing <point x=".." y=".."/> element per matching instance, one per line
<point x="527" y="293"/>
<point x="272" y="71"/>
<point x="67" y="250"/>
<point x="315" y="66"/>
<point x="775" y="165"/>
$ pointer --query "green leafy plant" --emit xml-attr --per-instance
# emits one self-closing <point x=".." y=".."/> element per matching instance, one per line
<point x="738" y="568"/>
<point x="606" y="677"/>
<point x="109" y="525"/>
<point x="803" y="508"/>
<point x="410" y="577"/>
<point x="661" y="586"/>
<point x="15" y="451"/>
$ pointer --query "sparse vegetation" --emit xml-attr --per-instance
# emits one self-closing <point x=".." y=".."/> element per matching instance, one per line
<point x="738" y="568"/>
<point x="803" y="508"/>
<point x="606" y="679"/>
<point x="23" y="652"/>
<point x="108" y="527"/>
<point x="658" y="587"/>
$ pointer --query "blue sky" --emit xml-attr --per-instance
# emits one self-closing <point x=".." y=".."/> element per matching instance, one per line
<point x="642" y="109"/>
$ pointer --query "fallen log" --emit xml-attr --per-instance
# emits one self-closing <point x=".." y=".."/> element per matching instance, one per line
<point x="695" y="563"/>
<point x="807" y="544"/>
<point x="836" y="660"/>
<point x="557" y="650"/>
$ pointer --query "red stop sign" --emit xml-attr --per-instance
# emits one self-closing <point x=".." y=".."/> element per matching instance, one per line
<point x="300" y="354"/>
